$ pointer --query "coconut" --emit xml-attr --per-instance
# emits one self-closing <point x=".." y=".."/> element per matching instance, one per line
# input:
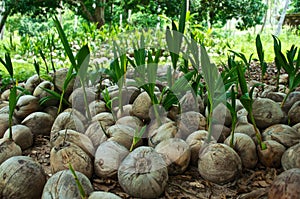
<point x="21" y="135"/>
<point x="127" y="109"/>
<point x="40" y="123"/>
<point x="190" y="122"/>
<point x="75" y="137"/>
<point x="155" y="124"/>
<point x="131" y="121"/>
<point x="141" y="106"/>
<point x="276" y="96"/>
<point x="271" y="156"/>
<point x="122" y="134"/>
<point x="294" y="113"/>
<point x="221" y="115"/>
<point x="282" y="133"/>
<point x="218" y="163"/>
<point x="21" y="177"/>
<point x="143" y="173"/>
<point x="32" y="82"/>
<point x="78" y="114"/>
<point x="96" y="134"/>
<point x="164" y="132"/>
<point x="246" y="149"/>
<point x="129" y="94"/>
<point x="290" y="158"/>
<point x="69" y="153"/>
<point x="26" y="104"/>
<point x="96" y="107"/>
<point x="67" y="120"/>
<point x="106" y="119"/>
<point x="196" y="141"/>
<point x="108" y="158"/>
<point x="77" y="99"/>
<point x="220" y="132"/>
<point x="103" y="195"/>
<point x="6" y="93"/>
<point x="4" y="123"/>
<point x="291" y="99"/>
<point x="243" y="126"/>
<point x="4" y="107"/>
<point x="286" y="185"/>
<point x="8" y="148"/>
<point x="63" y="185"/>
<point x="59" y="79"/>
<point x="51" y="110"/>
<point x="177" y="154"/>
<point x="40" y="93"/>
<point x="266" y="112"/>
<point x="188" y="103"/>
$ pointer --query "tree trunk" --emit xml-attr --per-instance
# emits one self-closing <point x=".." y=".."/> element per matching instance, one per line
<point x="99" y="14"/>
<point x="265" y="18"/>
<point x="3" y="20"/>
<point x="281" y="20"/>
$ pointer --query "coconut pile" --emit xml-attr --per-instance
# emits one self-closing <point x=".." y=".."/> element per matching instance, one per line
<point x="171" y="145"/>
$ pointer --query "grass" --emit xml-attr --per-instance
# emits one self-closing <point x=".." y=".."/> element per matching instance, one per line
<point x="244" y="42"/>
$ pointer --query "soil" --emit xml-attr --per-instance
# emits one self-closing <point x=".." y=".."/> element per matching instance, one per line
<point x="250" y="184"/>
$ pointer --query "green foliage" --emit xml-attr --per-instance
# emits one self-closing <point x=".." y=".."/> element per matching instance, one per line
<point x="290" y="64"/>
<point x="261" y="56"/>
<point x="248" y="13"/>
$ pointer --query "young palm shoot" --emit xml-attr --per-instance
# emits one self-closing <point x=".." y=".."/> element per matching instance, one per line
<point x="247" y="101"/>
<point x="79" y="185"/>
<point x="137" y="137"/>
<point x="232" y="109"/>
<point x="290" y="64"/>
<point x="109" y="102"/>
<point x="79" y="63"/>
<point x="13" y="98"/>
<point x="260" y="53"/>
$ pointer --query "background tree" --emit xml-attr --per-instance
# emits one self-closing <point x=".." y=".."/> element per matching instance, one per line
<point x="248" y="12"/>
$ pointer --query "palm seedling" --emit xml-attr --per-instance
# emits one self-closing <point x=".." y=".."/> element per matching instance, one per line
<point x="260" y="53"/>
<point x="290" y="64"/>
<point x="246" y="98"/>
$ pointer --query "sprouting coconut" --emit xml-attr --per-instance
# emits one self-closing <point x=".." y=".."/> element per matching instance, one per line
<point x="245" y="147"/>
<point x="21" y="135"/>
<point x="141" y="106"/>
<point x="39" y="123"/>
<point x="122" y="134"/>
<point x="266" y="112"/>
<point x="108" y="158"/>
<point x="155" y="124"/>
<point x="67" y="120"/>
<point x="74" y="137"/>
<point x="96" y="134"/>
<point x="77" y="99"/>
<point x="218" y="163"/>
<point x="271" y="156"/>
<point x="290" y="158"/>
<point x="63" y="185"/>
<point x="103" y="195"/>
<point x="282" y="133"/>
<point x="26" y="104"/>
<point x="164" y="132"/>
<point x="69" y="153"/>
<point x="196" y="141"/>
<point x="190" y="122"/>
<point x="221" y="115"/>
<point x="143" y="173"/>
<point x="220" y="132"/>
<point x="127" y="110"/>
<point x="243" y="126"/>
<point x="97" y="106"/>
<point x="291" y="99"/>
<point x="106" y="119"/>
<point x="294" y="113"/>
<point x="177" y="154"/>
<point x="8" y="148"/>
<point x="4" y="123"/>
<point x="21" y="177"/>
<point x="32" y="82"/>
<point x="59" y="79"/>
<point x="131" y="121"/>
<point x="188" y="103"/>
<point x="286" y="185"/>
<point x="40" y="92"/>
